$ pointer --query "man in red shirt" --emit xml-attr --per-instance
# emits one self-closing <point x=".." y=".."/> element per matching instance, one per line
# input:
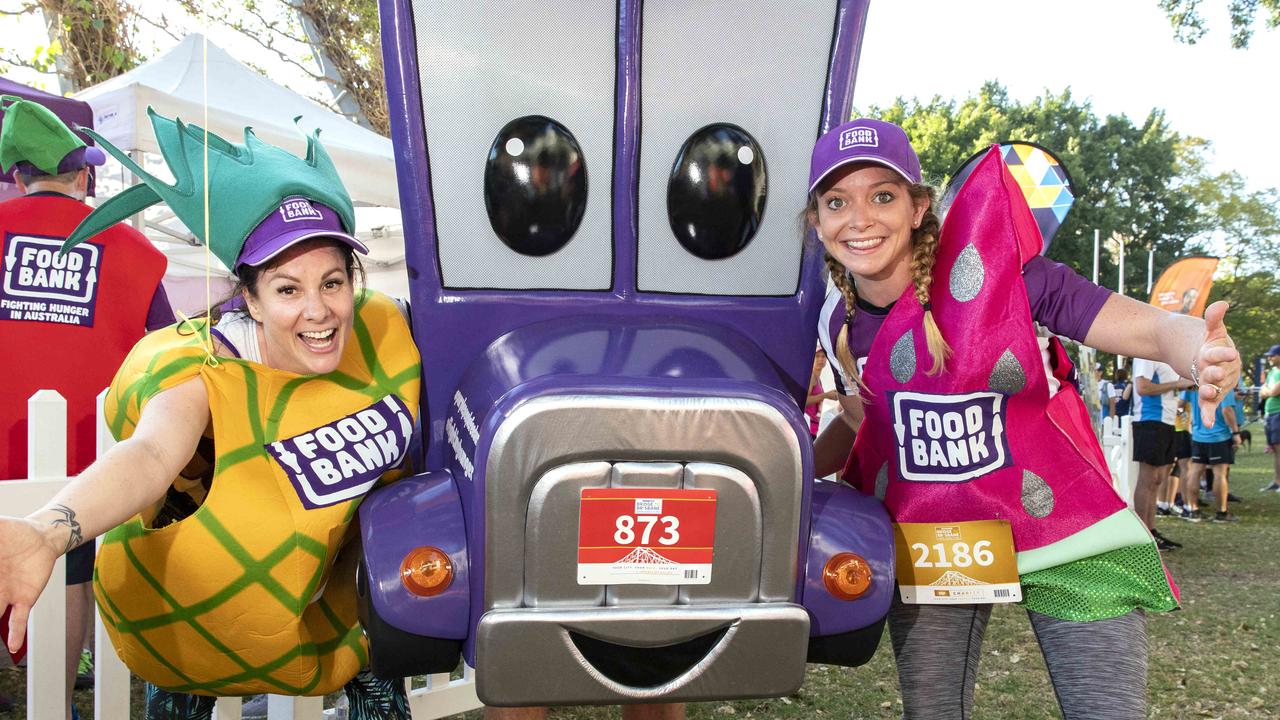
<point x="66" y="321"/>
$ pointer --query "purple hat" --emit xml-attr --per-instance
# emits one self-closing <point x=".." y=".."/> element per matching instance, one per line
<point x="864" y="140"/>
<point x="296" y="219"/>
<point x="1273" y="350"/>
<point x="83" y="156"/>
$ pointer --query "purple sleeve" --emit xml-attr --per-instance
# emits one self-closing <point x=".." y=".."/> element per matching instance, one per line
<point x="1060" y="299"/>
<point x="159" y="314"/>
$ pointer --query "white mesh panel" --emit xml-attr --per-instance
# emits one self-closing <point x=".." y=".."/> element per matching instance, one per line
<point x="762" y="67"/>
<point x="484" y="64"/>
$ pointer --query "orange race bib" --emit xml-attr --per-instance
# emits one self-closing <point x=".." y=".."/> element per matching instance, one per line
<point x="964" y="562"/>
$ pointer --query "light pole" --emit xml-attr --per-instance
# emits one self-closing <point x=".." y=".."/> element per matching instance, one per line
<point x="1097" y="245"/>
<point x="1120" y="283"/>
<point x="1151" y="265"/>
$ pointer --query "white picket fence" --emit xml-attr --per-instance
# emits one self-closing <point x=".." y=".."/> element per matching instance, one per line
<point x="46" y="646"/>
<point x="1117" y="445"/>
<point x="46" y="678"/>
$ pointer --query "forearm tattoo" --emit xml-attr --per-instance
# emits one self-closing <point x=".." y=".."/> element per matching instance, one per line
<point x="69" y="521"/>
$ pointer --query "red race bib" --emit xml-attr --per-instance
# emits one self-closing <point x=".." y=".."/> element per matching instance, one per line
<point x="646" y="536"/>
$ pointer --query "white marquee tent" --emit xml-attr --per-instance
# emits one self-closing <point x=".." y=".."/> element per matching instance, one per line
<point x="238" y="97"/>
<point x="174" y="83"/>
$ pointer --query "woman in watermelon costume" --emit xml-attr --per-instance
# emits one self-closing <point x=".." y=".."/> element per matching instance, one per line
<point x="245" y="446"/>
<point x="963" y="413"/>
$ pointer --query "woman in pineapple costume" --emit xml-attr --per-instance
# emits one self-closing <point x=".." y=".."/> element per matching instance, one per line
<point x="245" y="446"/>
<point x="971" y="416"/>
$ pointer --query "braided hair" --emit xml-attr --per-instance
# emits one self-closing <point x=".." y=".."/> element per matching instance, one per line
<point x="924" y="242"/>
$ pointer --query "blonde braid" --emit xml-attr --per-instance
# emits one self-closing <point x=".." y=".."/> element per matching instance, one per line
<point x="840" y="278"/>
<point x="923" y="255"/>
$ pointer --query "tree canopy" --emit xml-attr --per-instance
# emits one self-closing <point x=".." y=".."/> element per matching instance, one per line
<point x="333" y="42"/>
<point x="1189" y="25"/>
<point x="1143" y="181"/>
<point x="1129" y="179"/>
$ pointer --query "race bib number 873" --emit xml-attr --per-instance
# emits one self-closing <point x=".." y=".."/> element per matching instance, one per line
<point x="646" y="536"/>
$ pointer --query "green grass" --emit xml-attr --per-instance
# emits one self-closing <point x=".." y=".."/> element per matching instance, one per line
<point x="1217" y="657"/>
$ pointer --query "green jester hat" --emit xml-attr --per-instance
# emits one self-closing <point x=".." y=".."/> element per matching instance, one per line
<point x="246" y="183"/>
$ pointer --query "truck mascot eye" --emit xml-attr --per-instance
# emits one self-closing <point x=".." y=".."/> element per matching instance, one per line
<point x="716" y="194"/>
<point x="535" y="185"/>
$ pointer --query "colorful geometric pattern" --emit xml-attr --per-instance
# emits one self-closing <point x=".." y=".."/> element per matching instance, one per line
<point x="1040" y="174"/>
<point x="1044" y="184"/>
<point x="249" y="594"/>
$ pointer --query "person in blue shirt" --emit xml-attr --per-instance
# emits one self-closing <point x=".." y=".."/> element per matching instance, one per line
<point x="1155" y="402"/>
<point x="1121" y="394"/>
<point x="1213" y="448"/>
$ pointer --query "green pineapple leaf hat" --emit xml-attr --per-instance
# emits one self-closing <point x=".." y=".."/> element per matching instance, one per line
<point x="262" y="198"/>
<point x="37" y="142"/>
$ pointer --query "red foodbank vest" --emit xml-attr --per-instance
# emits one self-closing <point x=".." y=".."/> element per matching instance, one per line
<point x="66" y="323"/>
<point x="983" y="440"/>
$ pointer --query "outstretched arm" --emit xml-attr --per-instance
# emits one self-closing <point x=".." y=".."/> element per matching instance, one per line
<point x="128" y="478"/>
<point x="1270" y="389"/>
<point x="1148" y="388"/>
<point x="833" y="445"/>
<point x="1126" y="326"/>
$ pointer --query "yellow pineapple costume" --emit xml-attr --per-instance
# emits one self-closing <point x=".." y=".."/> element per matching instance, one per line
<point x="243" y="596"/>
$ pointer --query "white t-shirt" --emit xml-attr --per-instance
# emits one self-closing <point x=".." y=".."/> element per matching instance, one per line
<point x="1162" y="407"/>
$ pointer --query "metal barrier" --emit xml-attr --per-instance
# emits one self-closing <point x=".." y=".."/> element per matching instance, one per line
<point x="46" y="647"/>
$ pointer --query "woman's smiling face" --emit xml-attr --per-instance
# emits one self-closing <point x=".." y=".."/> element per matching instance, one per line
<point x="304" y="304"/>
<point x="865" y="216"/>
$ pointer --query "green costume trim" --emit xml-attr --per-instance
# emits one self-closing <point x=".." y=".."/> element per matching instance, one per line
<point x="1122" y="571"/>
<point x="1101" y="587"/>
<point x="1121" y="529"/>
<point x="32" y="133"/>
<point x="246" y="183"/>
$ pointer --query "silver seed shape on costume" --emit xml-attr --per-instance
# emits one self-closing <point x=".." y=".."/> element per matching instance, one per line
<point x="1037" y="498"/>
<point x="1007" y="376"/>
<point x="967" y="274"/>
<point x="882" y="481"/>
<point x="902" y="358"/>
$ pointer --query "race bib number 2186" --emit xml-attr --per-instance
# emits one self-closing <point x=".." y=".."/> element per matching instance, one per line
<point x="965" y="562"/>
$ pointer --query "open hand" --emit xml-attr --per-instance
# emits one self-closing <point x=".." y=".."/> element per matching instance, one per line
<point x="1218" y="362"/>
<point x="26" y="561"/>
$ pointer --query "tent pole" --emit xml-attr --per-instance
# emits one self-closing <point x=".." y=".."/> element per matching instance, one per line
<point x="139" y="220"/>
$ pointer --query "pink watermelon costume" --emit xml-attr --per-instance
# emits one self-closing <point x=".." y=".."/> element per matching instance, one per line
<point x="993" y="437"/>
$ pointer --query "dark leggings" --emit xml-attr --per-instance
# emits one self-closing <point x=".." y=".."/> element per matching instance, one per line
<point x="368" y="698"/>
<point x="1098" y="669"/>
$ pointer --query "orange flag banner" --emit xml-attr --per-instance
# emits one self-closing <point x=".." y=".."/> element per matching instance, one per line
<point x="1184" y="286"/>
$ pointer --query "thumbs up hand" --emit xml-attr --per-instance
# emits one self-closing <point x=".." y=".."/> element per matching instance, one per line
<point x="1218" y="362"/>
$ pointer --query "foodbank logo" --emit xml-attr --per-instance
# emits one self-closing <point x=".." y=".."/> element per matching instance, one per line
<point x="949" y="438"/>
<point x="342" y="460"/>
<point x="42" y="285"/>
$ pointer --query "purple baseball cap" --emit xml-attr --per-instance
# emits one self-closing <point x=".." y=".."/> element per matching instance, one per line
<point x="296" y="219"/>
<point x="864" y="140"/>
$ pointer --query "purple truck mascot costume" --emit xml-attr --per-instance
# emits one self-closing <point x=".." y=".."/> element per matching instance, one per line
<point x="616" y="320"/>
